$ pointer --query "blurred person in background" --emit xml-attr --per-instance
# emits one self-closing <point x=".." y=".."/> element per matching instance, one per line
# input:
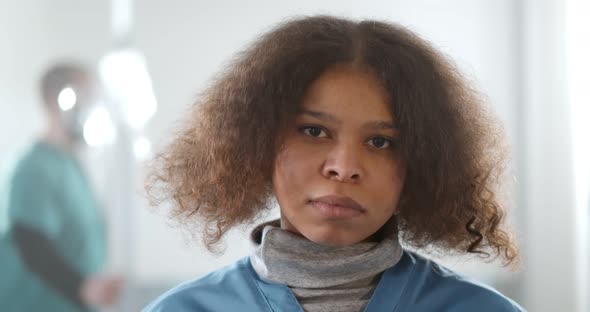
<point x="53" y="244"/>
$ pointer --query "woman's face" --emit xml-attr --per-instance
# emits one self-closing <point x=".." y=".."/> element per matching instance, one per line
<point x="339" y="175"/>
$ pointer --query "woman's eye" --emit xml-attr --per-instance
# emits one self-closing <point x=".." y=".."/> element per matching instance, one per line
<point x="314" y="131"/>
<point x="380" y="142"/>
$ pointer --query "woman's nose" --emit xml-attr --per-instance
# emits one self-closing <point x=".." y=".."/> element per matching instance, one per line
<point x="343" y="164"/>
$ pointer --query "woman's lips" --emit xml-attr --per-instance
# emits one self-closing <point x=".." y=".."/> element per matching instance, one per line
<point x="334" y="206"/>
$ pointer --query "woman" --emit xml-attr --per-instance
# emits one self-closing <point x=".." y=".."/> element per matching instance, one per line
<point x="366" y="137"/>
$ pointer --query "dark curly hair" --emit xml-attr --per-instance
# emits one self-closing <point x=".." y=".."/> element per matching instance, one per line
<point x="218" y="170"/>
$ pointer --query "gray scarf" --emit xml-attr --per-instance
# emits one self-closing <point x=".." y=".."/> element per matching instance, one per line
<point x="322" y="278"/>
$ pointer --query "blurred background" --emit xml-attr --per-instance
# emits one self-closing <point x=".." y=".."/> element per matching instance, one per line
<point x="531" y="59"/>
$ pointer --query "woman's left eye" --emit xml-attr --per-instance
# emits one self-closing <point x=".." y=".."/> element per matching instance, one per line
<point x="380" y="142"/>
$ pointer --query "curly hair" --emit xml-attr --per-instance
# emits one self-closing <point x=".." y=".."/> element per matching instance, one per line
<point x="218" y="170"/>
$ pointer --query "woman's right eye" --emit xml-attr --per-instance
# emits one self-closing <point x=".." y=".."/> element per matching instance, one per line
<point x="314" y="131"/>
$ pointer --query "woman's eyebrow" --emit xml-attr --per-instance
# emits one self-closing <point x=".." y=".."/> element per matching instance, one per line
<point x="370" y="125"/>
<point x="379" y="125"/>
<point x="321" y="116"/>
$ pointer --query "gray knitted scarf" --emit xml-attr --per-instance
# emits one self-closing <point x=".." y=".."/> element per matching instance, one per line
<point x="322" y="278"/>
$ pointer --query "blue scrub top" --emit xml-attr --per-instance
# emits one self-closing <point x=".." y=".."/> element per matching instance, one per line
<point x="414" y="284"/>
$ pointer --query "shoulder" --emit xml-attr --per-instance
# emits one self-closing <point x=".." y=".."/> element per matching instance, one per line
<point x="440" y="286"/>
<point x="33" y="171"/>
<point x="34" y="166"/>
<point x="223" y="289"/>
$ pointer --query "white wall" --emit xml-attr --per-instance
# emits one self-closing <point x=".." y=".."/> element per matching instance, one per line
<point x="552" y="281"/>
<point x="19" y="62"/>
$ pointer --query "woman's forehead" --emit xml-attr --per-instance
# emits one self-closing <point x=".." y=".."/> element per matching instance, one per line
<point x="347" y="93"/>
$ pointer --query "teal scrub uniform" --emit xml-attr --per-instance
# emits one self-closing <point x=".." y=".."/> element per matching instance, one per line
<point x="49" y="193"/>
